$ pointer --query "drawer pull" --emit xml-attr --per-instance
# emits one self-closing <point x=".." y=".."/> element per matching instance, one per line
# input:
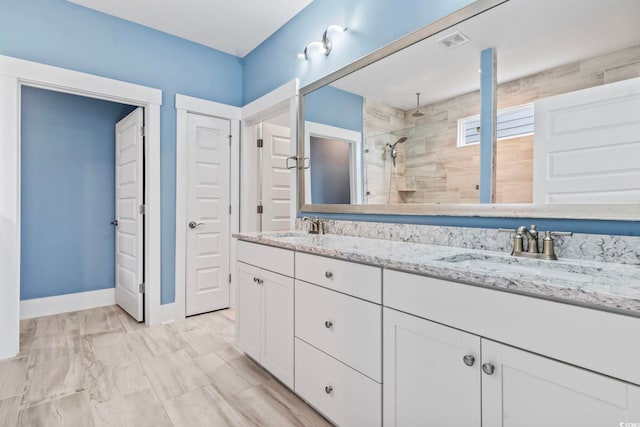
<point x="328" y="389"/>
<point x="469" y="360"/>
<point x="488" y="368"/>
<point x="328" y="274"/>
<point x="328" y="324"/>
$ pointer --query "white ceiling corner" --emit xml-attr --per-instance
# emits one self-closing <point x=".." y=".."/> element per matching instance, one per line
<point x="231" y="26"/>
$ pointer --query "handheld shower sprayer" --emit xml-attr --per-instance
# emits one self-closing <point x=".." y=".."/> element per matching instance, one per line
<point x="394" y="150"/>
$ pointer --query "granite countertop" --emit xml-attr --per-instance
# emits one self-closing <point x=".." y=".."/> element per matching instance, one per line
<point x="600" y="285"/>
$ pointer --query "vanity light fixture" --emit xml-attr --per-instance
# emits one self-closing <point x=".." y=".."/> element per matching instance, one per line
<point x="325" y="45"/>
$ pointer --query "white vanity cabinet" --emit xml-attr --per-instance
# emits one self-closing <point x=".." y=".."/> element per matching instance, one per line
<point x="426" y="380"/>
<point x="435" y="374"/>
<point x="264" y="325"/>
<point x="338" y="328"/>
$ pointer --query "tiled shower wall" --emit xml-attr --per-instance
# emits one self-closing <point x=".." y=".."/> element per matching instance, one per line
<point x="432" y="169"/>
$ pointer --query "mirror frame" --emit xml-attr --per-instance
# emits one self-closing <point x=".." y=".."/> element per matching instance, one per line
<point x="609" y="211"/>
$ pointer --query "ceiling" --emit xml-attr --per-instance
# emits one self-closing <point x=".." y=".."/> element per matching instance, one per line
<point x="529" y="36"/>
<point x="232" y="26"/>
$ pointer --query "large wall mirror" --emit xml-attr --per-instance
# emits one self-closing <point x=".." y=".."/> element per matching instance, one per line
<point x="399" y="131"/>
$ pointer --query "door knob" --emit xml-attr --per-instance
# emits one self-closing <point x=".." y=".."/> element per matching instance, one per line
<point x="194" y="224"/>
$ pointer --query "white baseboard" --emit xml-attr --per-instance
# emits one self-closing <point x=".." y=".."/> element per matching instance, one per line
<point x="65" y="303"/>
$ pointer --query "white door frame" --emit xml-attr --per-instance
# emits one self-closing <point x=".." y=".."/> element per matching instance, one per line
<point x="15" y="73"/>
<point x="184" y="106"/>
<point x="242" y="160"/>
<point x="270" y="105"/>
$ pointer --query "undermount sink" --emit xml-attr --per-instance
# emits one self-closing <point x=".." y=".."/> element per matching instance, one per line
<point x="539" y="268"/>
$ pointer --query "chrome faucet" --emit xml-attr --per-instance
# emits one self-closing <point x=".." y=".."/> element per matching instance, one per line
<point x="532" y="235"/>
<point x="316" y="225"/>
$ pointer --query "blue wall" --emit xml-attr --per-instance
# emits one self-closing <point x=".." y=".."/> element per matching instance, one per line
<point x="334" y="107"/>
<point x="67" y="193"/>
<point x="372" y="24"/>
<point x="63" y="34"/>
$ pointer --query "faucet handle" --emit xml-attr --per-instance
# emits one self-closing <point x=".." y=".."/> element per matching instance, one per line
<point x="548" y="250"/>
<point x="517" y="239"/>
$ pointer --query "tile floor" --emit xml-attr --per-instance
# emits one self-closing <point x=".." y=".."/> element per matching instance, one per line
<point x="100" y="368"/>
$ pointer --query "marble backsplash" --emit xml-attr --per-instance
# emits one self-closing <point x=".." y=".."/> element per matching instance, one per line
<point x="591" y="247"/>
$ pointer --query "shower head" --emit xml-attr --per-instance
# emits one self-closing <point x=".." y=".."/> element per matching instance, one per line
<point x="418" y="113"/>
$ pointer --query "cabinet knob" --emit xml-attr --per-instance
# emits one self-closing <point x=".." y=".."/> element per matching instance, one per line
<point x="255" y="280"/>
<point x="328" y="274"/>
<point x="469" y="360"/>
<point x="488" y="368"/>
<point x="260" y="281"/>
<point x="328" y="324"/>
<point x="328" y="389"/>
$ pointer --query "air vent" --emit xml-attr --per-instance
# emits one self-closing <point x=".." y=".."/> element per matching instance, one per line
<point x="453" y="40"/>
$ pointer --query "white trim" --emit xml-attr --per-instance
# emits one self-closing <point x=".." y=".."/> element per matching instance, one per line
<point x="66" y="303"/>
<point x="262" y="107"/>
<point x="69" y="81"/>
<point x="352" y="137"/>
<point x="207" y="108"/>
<point x="274" y="103"/>
<point x="184" y="105"/>
<point x="15" y="73"/>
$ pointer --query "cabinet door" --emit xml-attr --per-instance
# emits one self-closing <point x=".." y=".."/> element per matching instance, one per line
<point x="277" y="350"/>
<point x="249" y="325"/>
<point x="526" y="389"/>
<point x="426" y="380"/>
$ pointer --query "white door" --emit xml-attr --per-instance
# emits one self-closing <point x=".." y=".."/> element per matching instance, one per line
<point x="129" y="229"/>
<point x="586" y="147"/>
<point x="530" y="390"/>
<point x="249" y="324"/>
<point x="276" y="178"/>
<point x="208" y="228"/>
<point x="431" y="373"/>
<point x="277" y="346"/>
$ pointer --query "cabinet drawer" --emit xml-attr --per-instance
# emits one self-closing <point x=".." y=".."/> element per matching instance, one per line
<point x="353" y="334"/>
<point x="266" y="257"/>
<point x="345" y="396"/>
<point x="359" y="280"/>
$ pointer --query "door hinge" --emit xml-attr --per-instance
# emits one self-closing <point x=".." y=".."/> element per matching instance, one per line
<point x="142" y="209"/>
<point x="230" y="136"/>
<point x="229" y="209"/>
<point x="142" y="131"/>
<point x="229" y="277"/>
<point x="260" y="143"/>
<point x="142" y="288"/>
<point x="260" y="209"/>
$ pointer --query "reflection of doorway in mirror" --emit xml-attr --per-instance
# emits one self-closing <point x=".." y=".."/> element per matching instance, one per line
<point x="334" y="175"/>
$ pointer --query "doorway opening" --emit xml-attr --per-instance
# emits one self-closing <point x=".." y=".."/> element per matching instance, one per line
<point x="81" y="173"/>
